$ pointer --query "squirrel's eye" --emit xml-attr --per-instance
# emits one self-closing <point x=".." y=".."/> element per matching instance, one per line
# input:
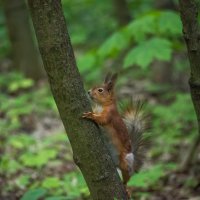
<point x="100" y="90"/>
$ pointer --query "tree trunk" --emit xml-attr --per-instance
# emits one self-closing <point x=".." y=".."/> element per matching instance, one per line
<point x="162" y="71"/>
<point x="121" y="12"/>
<point x="166" y="4"/>
<point x="25" y="54"/>
<point x="189" y="14"/>
<point x="90" y="153"/>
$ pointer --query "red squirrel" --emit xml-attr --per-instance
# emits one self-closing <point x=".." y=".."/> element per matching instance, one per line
<point x="125" y="132"/>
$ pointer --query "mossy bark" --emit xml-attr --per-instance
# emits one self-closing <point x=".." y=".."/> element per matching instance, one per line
<point x="189" y="13"/>
<point x="89" y="150"/>
<point x="26" y="56"/>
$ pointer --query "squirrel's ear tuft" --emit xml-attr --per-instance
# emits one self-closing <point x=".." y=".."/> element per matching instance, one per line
<point x="111" y="82"/>
<point x="114" y="77"/>
<point x="107" y="78"/>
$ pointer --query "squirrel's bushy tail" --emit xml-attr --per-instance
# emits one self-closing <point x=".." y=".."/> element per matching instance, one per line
<point x="136" y="123"/>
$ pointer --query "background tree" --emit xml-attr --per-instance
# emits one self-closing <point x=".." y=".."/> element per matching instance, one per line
<point x="121" y="11"/>
<point x="26" y="56"/>
<point x="89" y="151"/>
<point x="36" y="158"/>
<point x="189" y="16"/>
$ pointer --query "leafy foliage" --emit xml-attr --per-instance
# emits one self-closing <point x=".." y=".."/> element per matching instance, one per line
<point x="149" y="178"/>
<point x="170" y="127"/>
<point x="87" y="13"/>
<point x="20" y="141"/>
<point x="113" y="45"/>
<point x="149" y="37"/>
<point x="139" y="29"/>
<point x="86" y="62"/>
<point x="51" y="182"/>
<point x="77" y="186"/>
<point x="16" y="108"/>
<point x="37" y="163"/>
<point x="38" y="159"/>
<point x="148" y="51"/>
<point x="15" y="81"/>
<point x="24" y="152"/>
<point x="34" y="194"/>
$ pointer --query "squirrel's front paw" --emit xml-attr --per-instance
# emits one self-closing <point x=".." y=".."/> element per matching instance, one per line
<point x="88" y="115"/>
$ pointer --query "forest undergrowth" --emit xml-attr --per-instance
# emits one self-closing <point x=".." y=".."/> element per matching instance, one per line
<point x="36" y="158"/>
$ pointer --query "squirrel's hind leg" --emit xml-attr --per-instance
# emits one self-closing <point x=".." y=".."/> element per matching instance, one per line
<point x="124" y="167"/>
<point x="125" y="164"/>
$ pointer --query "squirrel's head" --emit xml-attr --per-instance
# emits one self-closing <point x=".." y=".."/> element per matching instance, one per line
<point x="104" y="94"/>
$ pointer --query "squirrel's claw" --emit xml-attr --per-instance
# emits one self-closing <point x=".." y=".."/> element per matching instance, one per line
<point x="87" y="115"/>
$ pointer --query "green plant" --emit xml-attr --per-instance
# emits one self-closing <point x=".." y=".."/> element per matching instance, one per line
<point x="150" y="177"/>
<point x="34" y="194"/>
<point x="172" y="123"/>
<point x="75" y="185"/>
<point x="51" y="182"/>
<point x="155" y="48"/>
<point x="39" y="158"/>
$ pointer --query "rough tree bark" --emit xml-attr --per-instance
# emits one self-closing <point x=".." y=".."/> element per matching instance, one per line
<point x="90" y="153"/>
<point x="189" y="14"/>
<point x="25" y="54"/>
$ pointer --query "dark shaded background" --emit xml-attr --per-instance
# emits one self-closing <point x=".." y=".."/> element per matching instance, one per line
<point x="140" y="39"/>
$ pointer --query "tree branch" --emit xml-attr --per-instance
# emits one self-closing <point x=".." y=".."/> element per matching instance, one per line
<point x="189" y="14"/>
<point x="90" y="153"/>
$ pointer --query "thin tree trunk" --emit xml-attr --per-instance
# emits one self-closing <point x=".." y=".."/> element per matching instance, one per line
<point x="166" y="4"/>
<point x="25" y="54"/>
<point x="90" y="153"/>
<point x="162" y="71"/>
<point x="189" y="14"/>
<point x="121" y="12"/>
<point x="123" y="17"/>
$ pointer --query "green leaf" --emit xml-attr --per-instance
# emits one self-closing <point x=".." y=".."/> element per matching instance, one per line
<point x="169" y="23"/>
<point x="141" y="27"/>
<point x="146" y="52"/>
<point x="9" y="165"/>
<point x="37" y="160"/>
<point x="79" y="37"/>
<point x="113" y="45"/>
<point x="75" y="184"/>
<point x="34" y="194"/>
<point x="20" y="84"/>
<point x="20" y="141"/>
<point x="58" y="198"/>
<point x="23" y="180"/>
<point x="26" y="83"/>
<point x="147" y="178"/>
<point x="13" y="86"/>
<point x="51" y="182"/>
<point x="86" y="62"/>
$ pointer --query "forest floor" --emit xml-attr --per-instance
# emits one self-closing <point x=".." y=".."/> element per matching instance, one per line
<point x="36" y="157"/>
